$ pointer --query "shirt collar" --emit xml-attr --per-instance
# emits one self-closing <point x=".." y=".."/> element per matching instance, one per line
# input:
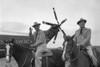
<point x="83" y="28"/>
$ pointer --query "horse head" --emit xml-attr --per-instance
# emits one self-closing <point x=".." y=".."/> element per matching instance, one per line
<point x="69" y="47"/>
<point x="21" y="53"/>
<point x="9" y="51"/>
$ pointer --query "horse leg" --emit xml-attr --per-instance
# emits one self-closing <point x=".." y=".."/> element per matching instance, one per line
<point x="48" y="62"/>
<point x="98" y="57"/>
<point x="33" y="62"/>
<point x="44" y="62"/>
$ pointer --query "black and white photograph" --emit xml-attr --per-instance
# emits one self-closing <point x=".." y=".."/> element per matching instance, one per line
<point x="49" y="33"/>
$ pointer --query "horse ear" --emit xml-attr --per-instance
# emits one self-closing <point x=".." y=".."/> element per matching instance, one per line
<point x="68" y="37"/>
<point x="72" y="36"/>
<point x="12" y="40"/>
<point x="3" y="41"/>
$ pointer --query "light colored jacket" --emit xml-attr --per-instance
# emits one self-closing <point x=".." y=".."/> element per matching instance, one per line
<point x="40" y="39"/>
<point x="84" y="38"/>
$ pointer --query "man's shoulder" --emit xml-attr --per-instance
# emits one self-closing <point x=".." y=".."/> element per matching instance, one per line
<point x="88" y="29"/>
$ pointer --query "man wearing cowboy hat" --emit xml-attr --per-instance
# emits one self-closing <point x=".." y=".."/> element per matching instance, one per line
<point x="82" y="38"/>
<point x="39" y="40"/>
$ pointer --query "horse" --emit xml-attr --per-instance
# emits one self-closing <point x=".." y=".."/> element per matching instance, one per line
<point x="76" y="57"/>
<point x="5" y="51"/>
<point x="23" y="56"/>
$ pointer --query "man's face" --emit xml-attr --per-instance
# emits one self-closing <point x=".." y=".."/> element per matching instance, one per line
<point x="36" y="28"/>
<point x="82" y="24"/>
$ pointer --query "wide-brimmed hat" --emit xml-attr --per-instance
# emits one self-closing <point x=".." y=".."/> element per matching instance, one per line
<point x="36" y="24"/>
<point x="81" y="20"/>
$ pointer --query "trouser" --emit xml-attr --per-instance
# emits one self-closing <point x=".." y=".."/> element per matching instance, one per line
<point x="40" y="49"/>
<point x="90" y="53"/>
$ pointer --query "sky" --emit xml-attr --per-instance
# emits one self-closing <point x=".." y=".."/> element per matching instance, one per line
<point x="16" y="16"/>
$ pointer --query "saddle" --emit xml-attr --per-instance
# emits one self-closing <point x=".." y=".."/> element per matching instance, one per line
<point x="45" y="54"/>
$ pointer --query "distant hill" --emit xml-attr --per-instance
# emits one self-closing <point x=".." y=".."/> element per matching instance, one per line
<point x="7" y="37"/>
<point x="97" y="47"/>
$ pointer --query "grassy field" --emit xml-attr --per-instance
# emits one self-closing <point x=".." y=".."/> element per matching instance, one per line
<point x="14" y="64"/>
<point x="4" y="64"/>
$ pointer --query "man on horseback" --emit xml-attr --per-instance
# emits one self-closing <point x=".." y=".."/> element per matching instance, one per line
<point x="82" y="38"/>
<point x="39" y="41"/>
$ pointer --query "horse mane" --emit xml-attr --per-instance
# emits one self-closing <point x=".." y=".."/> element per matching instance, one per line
<point x="21" y="47"/>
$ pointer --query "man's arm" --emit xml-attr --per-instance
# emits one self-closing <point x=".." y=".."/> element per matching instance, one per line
<point x="87" y="38"/>
<point x="30" y="34"/>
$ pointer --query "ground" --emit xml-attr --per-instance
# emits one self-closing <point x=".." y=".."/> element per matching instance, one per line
<point x="4" y="64"/>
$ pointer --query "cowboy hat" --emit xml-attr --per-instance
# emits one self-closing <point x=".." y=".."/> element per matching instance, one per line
<point x="81" y="20"/>
<point x="36" y="24"/>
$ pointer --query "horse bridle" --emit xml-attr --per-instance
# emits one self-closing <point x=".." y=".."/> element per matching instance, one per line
<point x="7" y="43"/>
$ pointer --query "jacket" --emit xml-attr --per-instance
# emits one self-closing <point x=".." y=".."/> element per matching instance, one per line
<point x="38" y="38"/>
<point x="84" y="38"/>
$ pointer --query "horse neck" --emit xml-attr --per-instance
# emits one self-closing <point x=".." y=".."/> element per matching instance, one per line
<point x="18" y="50"/>
<point x="51" y="33"/>
<point x="98" y="56"/>
<point x="18" y="47"/>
